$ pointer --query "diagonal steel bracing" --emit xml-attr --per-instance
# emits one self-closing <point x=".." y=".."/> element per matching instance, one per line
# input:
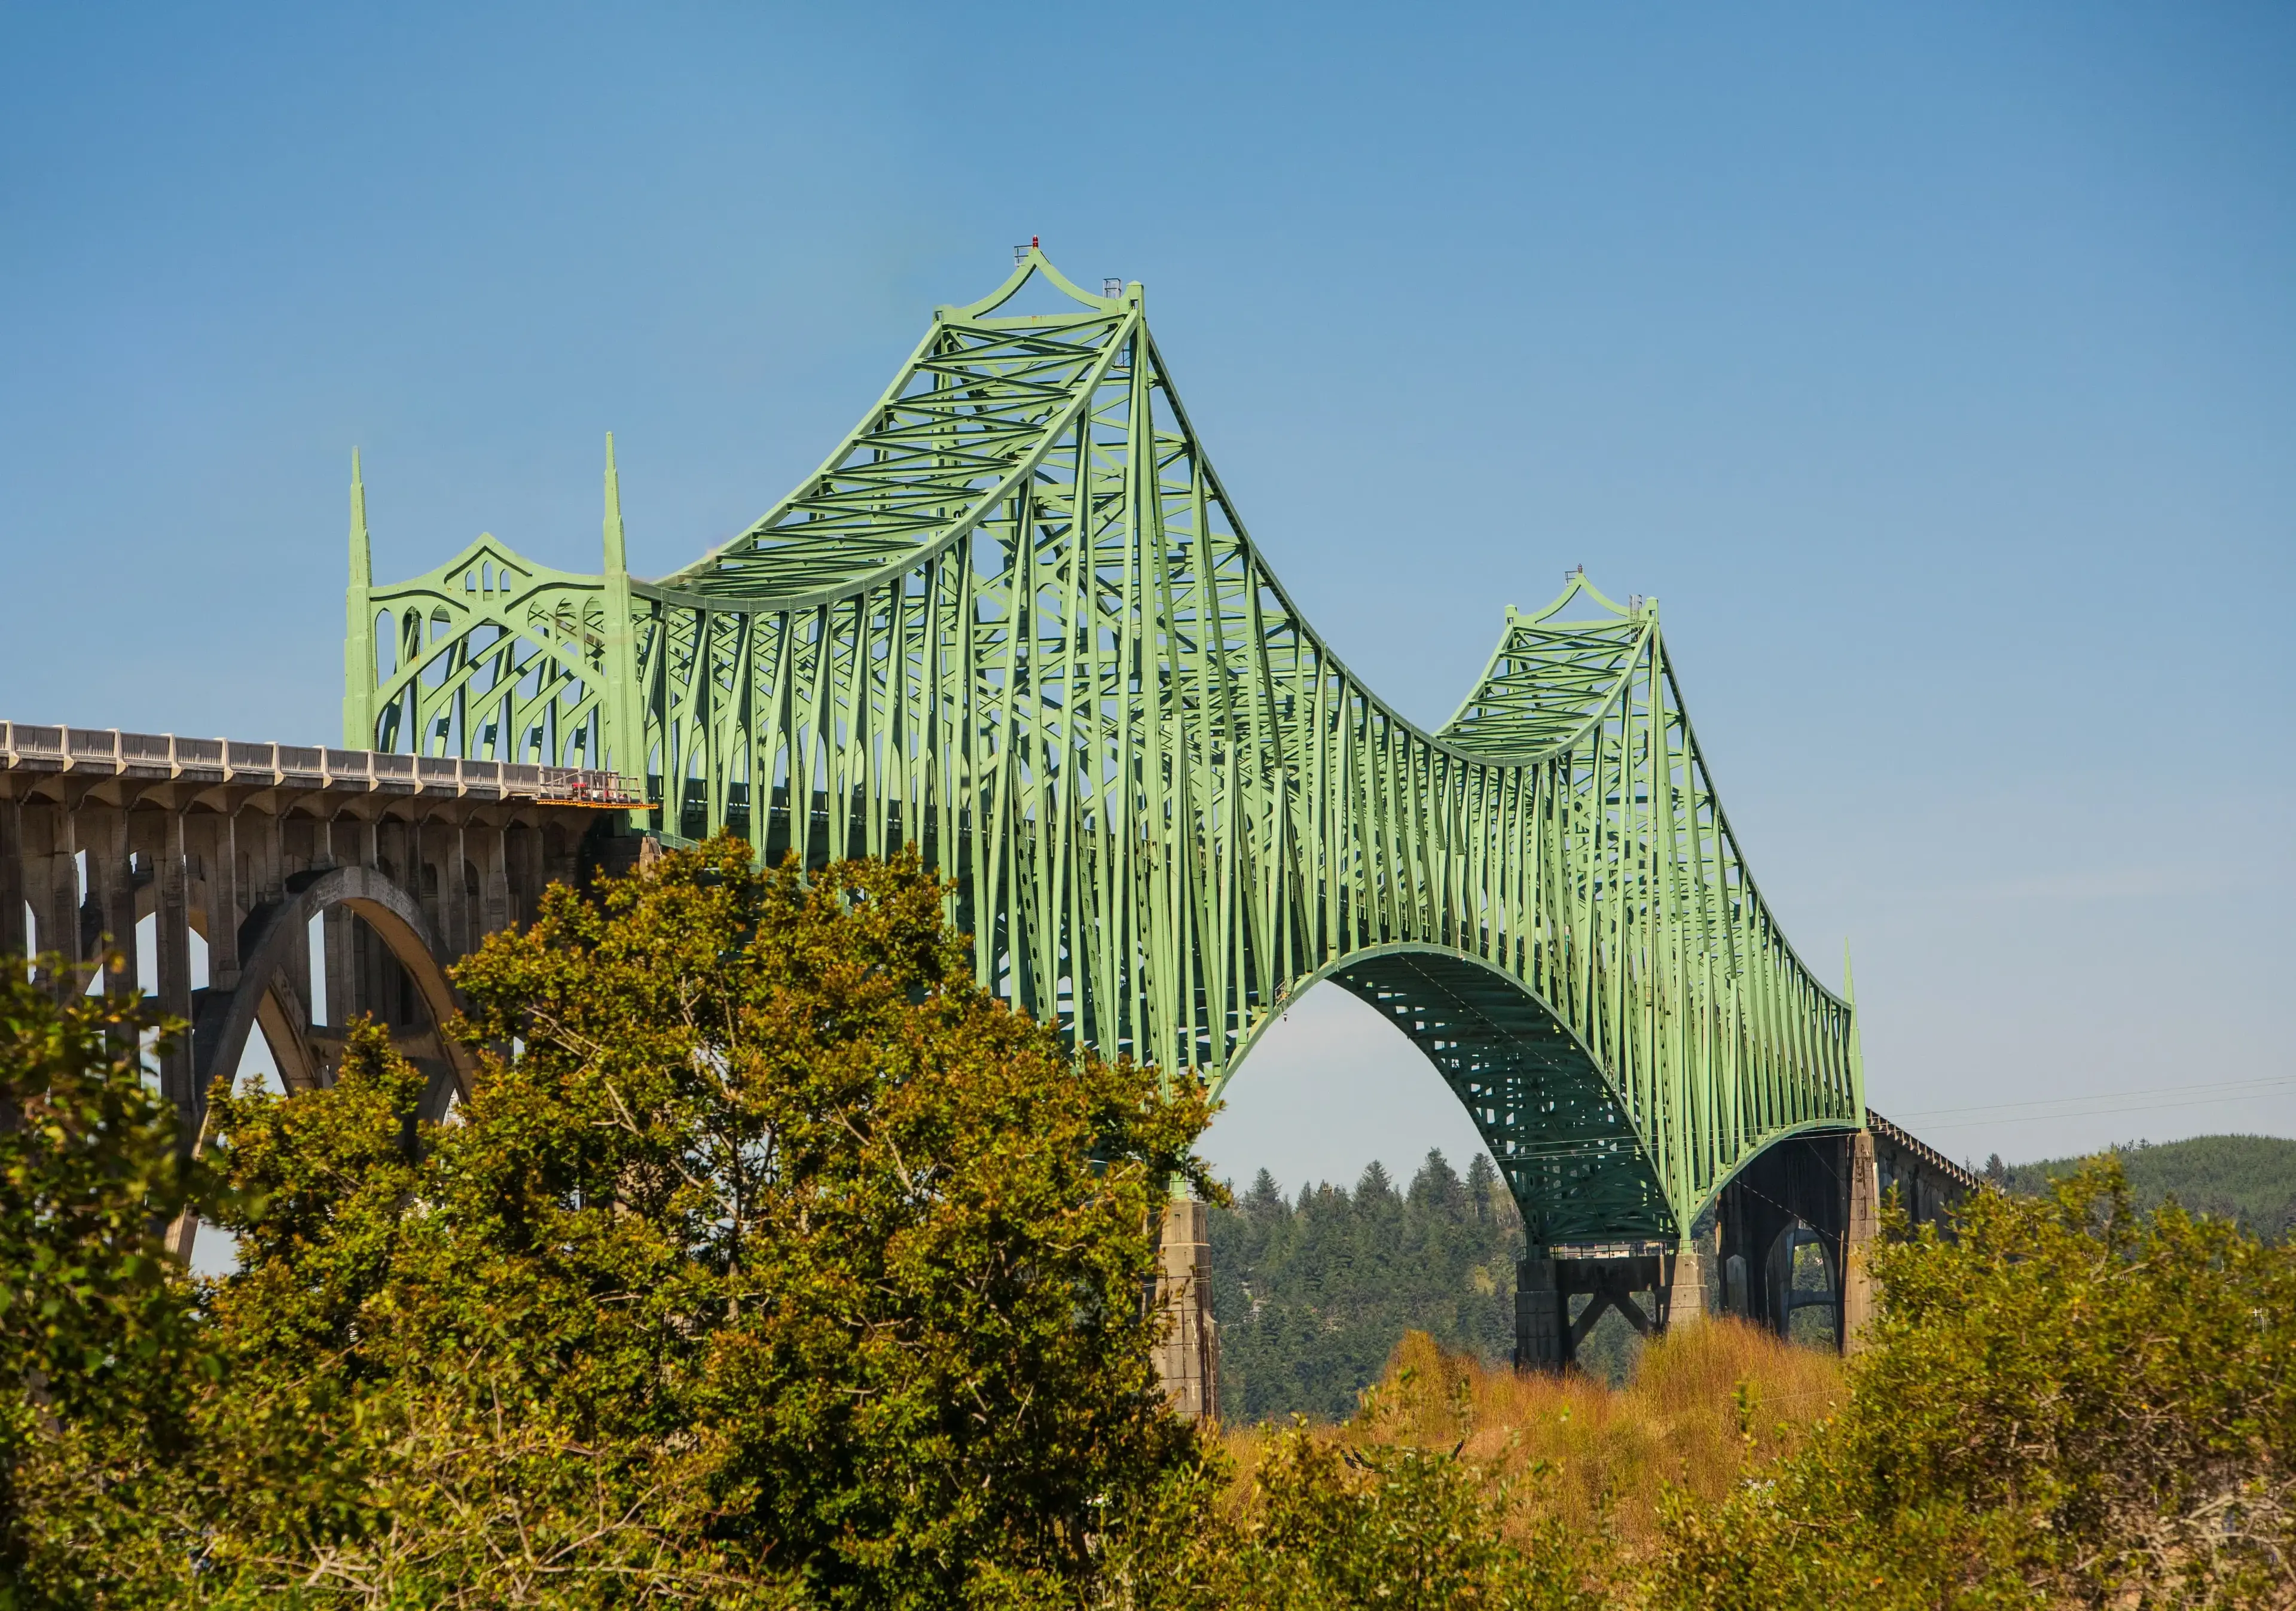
<point x="1015" y="620"/>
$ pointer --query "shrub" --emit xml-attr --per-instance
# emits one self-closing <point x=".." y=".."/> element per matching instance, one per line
<point x="770" y="1260"/>
<point x="2067" y="1404"/>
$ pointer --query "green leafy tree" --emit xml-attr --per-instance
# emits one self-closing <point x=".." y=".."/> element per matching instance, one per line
<point x="769" y="1249"/>
<point x="99" y="1340"/>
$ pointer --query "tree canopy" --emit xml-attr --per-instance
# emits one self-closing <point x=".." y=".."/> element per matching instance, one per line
<point x="2068" y="1401"/>
<point x="2250" y="1179"/>
<point x="99" y="1356"/>
<point x="770" y="1257"/>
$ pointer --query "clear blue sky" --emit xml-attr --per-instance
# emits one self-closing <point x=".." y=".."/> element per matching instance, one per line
<point x="1935" y="366"/>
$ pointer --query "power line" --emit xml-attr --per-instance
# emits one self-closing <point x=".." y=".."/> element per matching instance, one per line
<point x="2104" y="1103"/>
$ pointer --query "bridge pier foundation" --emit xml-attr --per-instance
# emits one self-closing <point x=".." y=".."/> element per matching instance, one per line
<point x="1650" y="1288"/>
<point x="1686" y="1292"/>
<point x="1187" y="1354"/>
<point x="1861" y="1227"/>
<point x="1542" y="1315"/>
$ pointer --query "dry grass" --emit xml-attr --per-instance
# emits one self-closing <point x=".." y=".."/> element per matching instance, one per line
<point x="1706" y="1406"/>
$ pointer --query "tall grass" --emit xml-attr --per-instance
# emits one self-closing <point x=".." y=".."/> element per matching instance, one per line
<point x="1706" y="1406"/>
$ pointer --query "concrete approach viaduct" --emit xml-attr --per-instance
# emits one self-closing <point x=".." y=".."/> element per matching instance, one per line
<point x="383" y="868"/>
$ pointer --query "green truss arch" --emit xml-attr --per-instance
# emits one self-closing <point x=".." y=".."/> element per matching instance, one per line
<point x="1015" y="620"/>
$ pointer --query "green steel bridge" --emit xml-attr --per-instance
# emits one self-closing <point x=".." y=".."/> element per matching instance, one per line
<point x="1015" y="620"/>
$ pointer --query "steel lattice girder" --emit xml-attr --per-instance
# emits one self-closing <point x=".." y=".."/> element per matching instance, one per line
<point x="1014" y="619"/>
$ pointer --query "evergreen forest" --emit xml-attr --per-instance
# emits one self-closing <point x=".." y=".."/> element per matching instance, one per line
<point x="2249" y="1178"/>
<point x="1312" y="1294"/>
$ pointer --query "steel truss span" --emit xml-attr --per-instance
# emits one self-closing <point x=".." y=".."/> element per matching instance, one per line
<point x="1015" y="620"/>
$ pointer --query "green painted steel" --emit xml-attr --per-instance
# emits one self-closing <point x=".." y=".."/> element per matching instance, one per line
<point x="1015" y="620"/>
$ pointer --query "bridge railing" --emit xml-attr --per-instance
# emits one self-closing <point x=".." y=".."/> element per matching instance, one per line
<point x="33" y="747"/>
<point x="1906" y="1141"/>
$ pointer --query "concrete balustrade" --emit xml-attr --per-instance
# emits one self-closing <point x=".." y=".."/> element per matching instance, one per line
<point x="31" y="747"/>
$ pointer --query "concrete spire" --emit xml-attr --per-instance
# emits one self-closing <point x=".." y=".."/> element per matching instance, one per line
<point x="617" y="558"/>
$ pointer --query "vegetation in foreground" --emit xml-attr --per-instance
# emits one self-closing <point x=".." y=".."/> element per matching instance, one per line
<point x="1706" y="1410"/>
<point x="771" y="1262"/>
<point x="1315" y="1291"/>
<point x="2073" y="1404"/>
<point x="776" y="1264"/>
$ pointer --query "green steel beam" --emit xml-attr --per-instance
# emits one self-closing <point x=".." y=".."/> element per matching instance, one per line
<point x="1015" y="620"/>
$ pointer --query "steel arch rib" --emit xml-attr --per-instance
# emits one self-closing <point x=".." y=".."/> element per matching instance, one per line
<point x="1015" y="620"/>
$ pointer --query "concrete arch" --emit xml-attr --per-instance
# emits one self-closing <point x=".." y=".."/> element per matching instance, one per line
<point x="1543" y="1105"/>
<point x="276" y="1015"/>
<point x="273" y="940"/>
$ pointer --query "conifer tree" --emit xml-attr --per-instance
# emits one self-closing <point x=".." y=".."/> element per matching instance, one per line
<point x="1314" y="1294"/>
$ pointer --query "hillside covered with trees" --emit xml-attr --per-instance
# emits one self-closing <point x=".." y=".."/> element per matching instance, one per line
<point x="2250" y="1179"/>
<point x="1315" y="1291"/>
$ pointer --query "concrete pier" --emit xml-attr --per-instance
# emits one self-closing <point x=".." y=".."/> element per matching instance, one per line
<point x="1187" y="1355"/>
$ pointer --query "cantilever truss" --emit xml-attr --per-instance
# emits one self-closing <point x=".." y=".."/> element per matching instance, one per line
<point x="1014" y="619"/>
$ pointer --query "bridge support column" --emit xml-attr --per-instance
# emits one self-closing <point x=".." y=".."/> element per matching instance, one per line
<point x="1862" y="1225"/>
<point x="221" y="899"/>
<point x="1187" y="1356"/>
<point x="1685" y="1290"/>
<point x="493" y="884"/>
<point x="173" y="948"/>
<point x="1542" y="1321"/>
<point x="54" y="878"/>
<point x="293" y="985"/>
<point x="14" y="932"/>
<point x="111" y="887"/>
<point x="341" y="970"/>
